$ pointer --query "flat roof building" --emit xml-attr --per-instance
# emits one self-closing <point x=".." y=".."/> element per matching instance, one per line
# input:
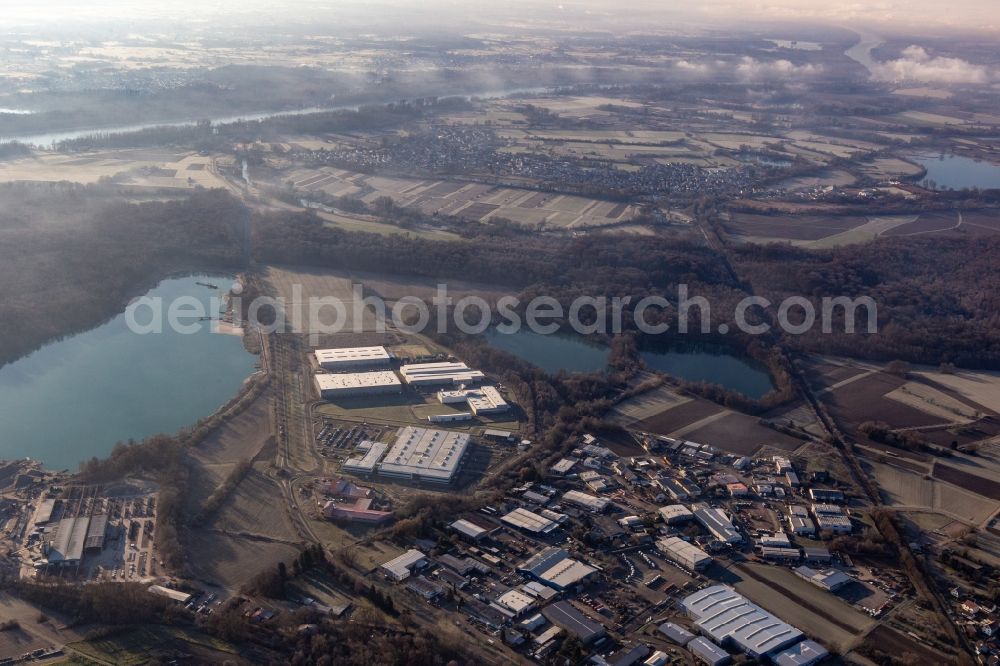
<point x="673" y="514"/>
<point x="439" y="374"/>
<point x="515" y="603"/>
<point x="357" y="383"/>
<point x="400" y="568"/>
<point x="805" y="653"/>
<point x="96" y="532"/>
<point x="588" y="502"/>
<point x="176" y="595"/>
<point x="425" y="454"/>
<point x="345" y="358"/>
<point x="366" y="463"/>
<point x="830" y="580"/>
<point x="726" y="616"/>
<point x="528" y="521"/>
<point x="686" y="554"/>
<point x="482" y="400"/>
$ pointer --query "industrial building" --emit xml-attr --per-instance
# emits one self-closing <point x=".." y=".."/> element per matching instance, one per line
<point x="400" y="568"/>
<point x="456" y="417"/>
<point x="727" y="617"/>
<point x="359" y="511"/>
<point x="366" y="463"/>
<point x="676" y="633"/>
<point x="585" y="501"/>
<point x="175" y="595"/>
<point x="805" y="653"/>
<point x="482" y="400"/>
<point x="831" y="517"/>
<point x="830" y="580"/>
<point x="67" y="547"/>
<point x="554" y="567"/>
<point x="686" y="554"/>
<point x="717" y="522"/>
<point x="565" y="616"/>
<point x="440" y="374"/>
<point x="351" y="358"/>
<point x="514" y="603"/>
<point x="708" y="652"/>
<point x="528" y="521"/>
<point x="357" y="383"/>
<point x="424" y="454"/>
<point x="44" y="512"/>
<point x="469" y="529"/>
<point x="96" y="532"/>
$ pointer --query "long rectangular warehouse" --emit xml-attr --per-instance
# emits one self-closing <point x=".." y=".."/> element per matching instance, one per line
<point x="67" y="548"/>
<point x="425" y="454"/>
<point x="346" y="358"/>
<point x="437" y="374"/>
<point x="726" y="616"/>
<point x="358" y="383"/>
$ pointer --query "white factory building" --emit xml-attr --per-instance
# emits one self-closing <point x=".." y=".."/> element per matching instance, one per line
<point x="400" y="568"/>
<point x="357" y="383"/>
<point x="365" y="464"/>
<point x="440" y="374"/>
<point x="686" y="554"/>
<point x="482" y="400"/>
<point x="352" y="358"/>
<point x="424" y="454"/>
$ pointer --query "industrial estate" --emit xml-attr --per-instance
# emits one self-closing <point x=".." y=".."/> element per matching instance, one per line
<point x="231" y="436"/>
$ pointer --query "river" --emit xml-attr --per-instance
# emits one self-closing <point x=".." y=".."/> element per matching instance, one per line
<point x="74" y="399"/>
<point x="49" y="139"/>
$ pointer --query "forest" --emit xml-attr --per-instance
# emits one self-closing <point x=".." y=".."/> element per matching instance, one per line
<point x="71" y="256"/>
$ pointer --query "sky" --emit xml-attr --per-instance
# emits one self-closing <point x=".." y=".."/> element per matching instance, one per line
<point x="957" y="14"/>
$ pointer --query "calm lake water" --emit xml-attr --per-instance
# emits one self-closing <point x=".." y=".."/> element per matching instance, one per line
<point x="956" y="172"/>
<point x="552" y="353"/>
<point x="693" y="362"/>
<point x="708" y="363"/>
<point x="76" y="398"/>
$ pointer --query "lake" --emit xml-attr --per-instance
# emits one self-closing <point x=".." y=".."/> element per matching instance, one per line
<point x="552" y="353"/>
<point x="689" y="361"/>
<point x="76" y="398"/>
<point x="955" y="172"/>
<point x="696" y="362"/>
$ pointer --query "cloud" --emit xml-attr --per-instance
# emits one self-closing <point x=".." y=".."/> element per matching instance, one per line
<point x="689" y="67"/>
<point x="918" y="65"/>
<point x="751" y="69"/>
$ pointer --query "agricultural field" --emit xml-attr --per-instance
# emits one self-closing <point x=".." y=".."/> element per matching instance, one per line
<point x="700" y="420"/>
<point x="136" y="645"/>
<point x="472" y="201"/>
<point x="902" y="487"/>
<point x="147" y="168"/>
<point x="815" y="611"/>
<point x="941" y="407"/>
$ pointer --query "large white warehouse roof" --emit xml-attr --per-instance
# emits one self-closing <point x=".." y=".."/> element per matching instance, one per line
<point x="423" y="453"/>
